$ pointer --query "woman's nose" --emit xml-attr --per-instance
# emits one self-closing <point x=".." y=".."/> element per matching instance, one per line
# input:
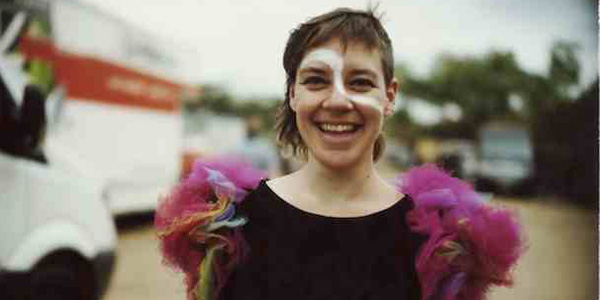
<point x="338" y="100"/>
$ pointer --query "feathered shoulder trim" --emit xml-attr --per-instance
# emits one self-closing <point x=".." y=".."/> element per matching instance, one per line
<point x="198" y="226"/>
<point x="470" y="245"/>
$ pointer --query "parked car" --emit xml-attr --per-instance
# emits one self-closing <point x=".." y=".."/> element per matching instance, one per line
<point x="505" y="159"/>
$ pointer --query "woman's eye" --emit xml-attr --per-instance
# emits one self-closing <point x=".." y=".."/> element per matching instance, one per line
<point x="315" y="81"/>
<point x="362" y="84"/>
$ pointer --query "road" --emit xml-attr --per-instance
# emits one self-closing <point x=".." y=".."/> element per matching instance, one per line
<point x="561" y="262"/>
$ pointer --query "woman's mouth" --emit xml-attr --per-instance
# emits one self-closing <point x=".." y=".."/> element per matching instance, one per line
<point x="339" y="133"/>
<point x="338" y="128"/>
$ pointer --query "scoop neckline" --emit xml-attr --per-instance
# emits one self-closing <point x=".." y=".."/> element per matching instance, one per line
<point x="399" y="202"/>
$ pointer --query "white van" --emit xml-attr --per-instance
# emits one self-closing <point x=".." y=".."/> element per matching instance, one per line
<point x="114" y="94"/>
<point x="57" y="236"/>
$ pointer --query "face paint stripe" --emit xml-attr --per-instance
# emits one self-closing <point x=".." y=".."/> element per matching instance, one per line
<point x="336" y="62"/>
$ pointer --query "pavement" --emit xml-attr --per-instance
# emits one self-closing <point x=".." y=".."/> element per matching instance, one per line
<point x="561" y="262"/>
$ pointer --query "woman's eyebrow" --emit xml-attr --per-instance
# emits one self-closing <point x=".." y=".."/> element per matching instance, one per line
<point x="316" y="70"/>
<point x="368" y="72"/>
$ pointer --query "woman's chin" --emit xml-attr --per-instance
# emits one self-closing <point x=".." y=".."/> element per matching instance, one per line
<point x="338" y="160"/>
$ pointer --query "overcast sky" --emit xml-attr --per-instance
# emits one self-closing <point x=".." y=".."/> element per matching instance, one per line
<point x="239" y="43"/>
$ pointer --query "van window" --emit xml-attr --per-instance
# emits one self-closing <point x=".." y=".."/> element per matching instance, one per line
<point x="22" y="131"/>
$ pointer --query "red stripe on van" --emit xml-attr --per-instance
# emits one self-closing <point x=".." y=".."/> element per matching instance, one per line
<point x="97" y="80"/>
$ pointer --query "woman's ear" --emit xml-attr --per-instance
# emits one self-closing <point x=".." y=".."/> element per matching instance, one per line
<point x="292" y="96"/>
<point x="390" y="94"/>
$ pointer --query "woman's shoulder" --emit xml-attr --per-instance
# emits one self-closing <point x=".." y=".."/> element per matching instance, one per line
<point x="466" y="236"/>
<point x="264" y="201"/>
<point x="198" y="219"/>
<point x="255" y="197"/>
<point x="280" y="188"/>
<point x="282" y="183"/>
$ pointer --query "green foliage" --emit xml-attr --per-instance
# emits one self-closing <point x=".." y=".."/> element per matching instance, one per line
<point x="564" y="67"/>
<point x="566" y="148"/>
<point x="217" y="100"/>
<point x="265" y="108"/>
<point x="483" y="85"/>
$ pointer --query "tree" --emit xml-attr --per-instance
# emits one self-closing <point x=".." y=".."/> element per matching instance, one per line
<point x="545" y="93"/>
<point x="483" y="85"/>
<point x="213" y="98"/>
<point x="480" y="86"/>
<point x="564" y="67"/>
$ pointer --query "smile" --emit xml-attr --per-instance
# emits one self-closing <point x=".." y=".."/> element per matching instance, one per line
<point x="338" y="128"/>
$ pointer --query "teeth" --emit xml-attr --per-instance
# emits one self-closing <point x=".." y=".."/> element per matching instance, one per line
<point x="337" y="127"/>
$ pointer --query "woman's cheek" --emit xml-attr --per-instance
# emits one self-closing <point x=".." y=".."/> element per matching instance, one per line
<point x="369" y="104"/>
<point x="368" y="101"/>
<point x="309" y="100"/>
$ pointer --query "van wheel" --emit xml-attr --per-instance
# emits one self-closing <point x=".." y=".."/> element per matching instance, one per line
<point x="62" y="278"/>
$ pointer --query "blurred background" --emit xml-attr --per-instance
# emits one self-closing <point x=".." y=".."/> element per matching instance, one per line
<point x="106" y="104"/>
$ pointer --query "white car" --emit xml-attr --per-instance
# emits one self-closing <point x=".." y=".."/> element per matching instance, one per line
<point x="57" y="236"/>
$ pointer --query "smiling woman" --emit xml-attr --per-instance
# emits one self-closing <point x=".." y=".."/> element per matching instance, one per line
<point x="335" y="229"/>
<point x="339" y="99"/>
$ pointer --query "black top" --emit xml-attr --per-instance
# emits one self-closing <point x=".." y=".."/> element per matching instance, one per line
<point x="296" y="254"/>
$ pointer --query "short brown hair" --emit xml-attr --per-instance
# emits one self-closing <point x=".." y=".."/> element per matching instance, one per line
<point x="347" y="25"/>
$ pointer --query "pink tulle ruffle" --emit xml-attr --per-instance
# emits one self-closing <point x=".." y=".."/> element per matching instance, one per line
<point x="471" y="245"/>
<point x="206" y="196"/>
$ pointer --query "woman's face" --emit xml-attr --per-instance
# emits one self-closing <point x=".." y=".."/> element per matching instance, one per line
<point x="340" y="99"/>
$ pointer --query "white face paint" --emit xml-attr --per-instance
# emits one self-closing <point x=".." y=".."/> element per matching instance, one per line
<point x="336" y="62"/>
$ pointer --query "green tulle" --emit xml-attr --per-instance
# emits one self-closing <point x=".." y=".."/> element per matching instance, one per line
<point x="205" y="290"/>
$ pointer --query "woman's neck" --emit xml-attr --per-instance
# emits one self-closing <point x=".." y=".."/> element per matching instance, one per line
<point x="355" y="191"/>
<point x="347" y="184"/>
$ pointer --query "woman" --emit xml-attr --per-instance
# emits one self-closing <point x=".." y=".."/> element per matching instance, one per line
<point x="334" y="229"/>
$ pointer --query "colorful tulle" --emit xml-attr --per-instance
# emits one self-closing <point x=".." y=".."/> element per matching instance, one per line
<point x="471" y="245"/>
<point x="198" y="226"/>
